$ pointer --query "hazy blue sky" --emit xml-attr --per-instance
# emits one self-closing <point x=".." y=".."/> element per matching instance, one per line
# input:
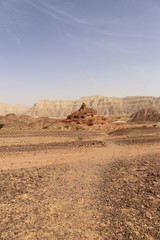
<point x="66" y="49"/>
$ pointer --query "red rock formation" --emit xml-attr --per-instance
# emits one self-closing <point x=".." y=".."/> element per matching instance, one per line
<point x="87" y="116"/>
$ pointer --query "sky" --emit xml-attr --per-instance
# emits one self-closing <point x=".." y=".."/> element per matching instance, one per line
<point x="67" y="49"/>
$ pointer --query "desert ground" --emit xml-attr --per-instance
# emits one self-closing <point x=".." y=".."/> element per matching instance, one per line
<point x="80" y="184"/>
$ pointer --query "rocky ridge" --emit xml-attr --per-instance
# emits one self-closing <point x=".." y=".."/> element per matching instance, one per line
<point x="84" y="116"/>
<point x="104" y="105"/>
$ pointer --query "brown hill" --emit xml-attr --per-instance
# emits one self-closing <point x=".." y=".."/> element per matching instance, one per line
<point x="87" y="116"/>
<point x="143" y="115"/>
<point x="42" y="123"/>
<point x="12" y="121"/>
<point x="104" y="106"/>
<point x="16" y="122"/>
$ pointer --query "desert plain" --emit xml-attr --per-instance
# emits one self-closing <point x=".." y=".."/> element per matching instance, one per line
<point x="82" y="183"/>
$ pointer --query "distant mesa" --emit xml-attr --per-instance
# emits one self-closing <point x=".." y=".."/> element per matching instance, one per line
<point x="147" y="114"/>
<point x="87" y="116"/>
<point x="104" y="106"/>
<point x="13" y="108"/>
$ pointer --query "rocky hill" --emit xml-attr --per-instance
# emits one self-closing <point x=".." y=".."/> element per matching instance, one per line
<point x="103" y="105"/>
<point x="87" y="116"/>
<point x="143" y="115"/>
<point x="11" y="108"/>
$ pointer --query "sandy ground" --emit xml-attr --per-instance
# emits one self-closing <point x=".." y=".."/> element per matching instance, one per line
<point x="79" y="185"/>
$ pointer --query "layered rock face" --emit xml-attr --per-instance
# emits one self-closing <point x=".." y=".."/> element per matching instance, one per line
<point x="55" y="109"/>
<point x="11" y="108"/>
<point x="143" y="115"/>
<point x="87" y="116"/>
<point x="104" y="106"/>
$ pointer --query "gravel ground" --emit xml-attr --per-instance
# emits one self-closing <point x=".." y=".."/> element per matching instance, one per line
<point x="114" y="194"/>
<point x="50" y="146"/>
<point x="90" y="200"/>
<point x="138" y="140"/>
<point x="131" y="199"/>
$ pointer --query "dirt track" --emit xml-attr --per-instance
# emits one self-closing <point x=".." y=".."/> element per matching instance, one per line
<point x="96" y="191"/>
